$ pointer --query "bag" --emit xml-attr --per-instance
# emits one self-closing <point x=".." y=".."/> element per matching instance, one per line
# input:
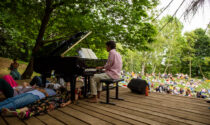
<point x="138" y="86"/>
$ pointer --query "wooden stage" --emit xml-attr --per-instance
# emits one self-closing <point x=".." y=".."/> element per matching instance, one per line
<point x="136" y="109"/>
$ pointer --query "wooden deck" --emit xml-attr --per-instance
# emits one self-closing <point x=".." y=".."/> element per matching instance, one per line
<point x="136" y="109"/>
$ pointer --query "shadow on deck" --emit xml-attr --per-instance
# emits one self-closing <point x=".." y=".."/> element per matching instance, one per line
<point x="136" y="109"/>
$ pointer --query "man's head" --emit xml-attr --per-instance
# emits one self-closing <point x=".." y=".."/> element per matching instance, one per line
<point x="110" y="45"/>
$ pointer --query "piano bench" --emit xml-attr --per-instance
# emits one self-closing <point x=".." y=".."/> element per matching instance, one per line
<point x="108" y="82"/>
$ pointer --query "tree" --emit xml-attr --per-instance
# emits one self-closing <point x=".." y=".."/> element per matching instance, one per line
<point x="193" y="7"/>
<point x="45" y="21"/>
<point x="195" y="52"/>
<point x="202" y="51"/>
<point x="157" y="53"/>
<point x="188" y="49"/>
<point x="171" y="35"/>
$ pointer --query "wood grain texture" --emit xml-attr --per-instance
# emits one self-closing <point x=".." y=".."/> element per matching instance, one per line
<point x="157" y="108"/>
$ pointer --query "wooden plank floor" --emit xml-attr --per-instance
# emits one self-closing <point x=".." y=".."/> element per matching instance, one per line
<point x="157" y="108"/>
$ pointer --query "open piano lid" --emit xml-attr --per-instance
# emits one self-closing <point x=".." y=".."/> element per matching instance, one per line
<point x="69" y="44"/>
<point x="60" y="48"/>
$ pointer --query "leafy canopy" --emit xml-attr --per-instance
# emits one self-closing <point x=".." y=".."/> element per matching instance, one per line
<point x="123" y="21"/>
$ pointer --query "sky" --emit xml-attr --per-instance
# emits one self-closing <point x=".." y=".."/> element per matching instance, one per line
<point x="200" y="20"/>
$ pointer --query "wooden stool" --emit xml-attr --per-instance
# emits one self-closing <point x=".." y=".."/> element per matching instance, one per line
<point x="108" y="82"/>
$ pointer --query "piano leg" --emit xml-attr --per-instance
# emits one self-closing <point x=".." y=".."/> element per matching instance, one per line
<point x="85" y="87"/>
<point x="88" y="86"/>
<point x="73" y="82"/>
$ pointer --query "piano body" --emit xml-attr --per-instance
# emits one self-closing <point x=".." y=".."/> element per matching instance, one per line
<point x="69" y="68"/>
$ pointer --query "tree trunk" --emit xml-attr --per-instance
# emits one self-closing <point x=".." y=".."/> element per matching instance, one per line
<point x="168" y="61"/>
<point x="29" y="70"/>
<point x="132" y="63"/>
<point x="48" y="10"/>
<point x="201" y="71"/>
<point x="142" y="69"/>
<point x="190" y="68"/>
<point x="153" y="71"/>
<point x="165" y="69"/>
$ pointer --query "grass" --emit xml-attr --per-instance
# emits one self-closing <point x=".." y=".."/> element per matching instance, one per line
<point x="5" y="64"/>
<point x="205" y="85"/>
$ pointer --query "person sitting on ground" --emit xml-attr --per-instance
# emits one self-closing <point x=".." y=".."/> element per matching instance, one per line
<point x="6" y="89"/>
<point x="37" y="80"/>
<point x="14" y="70"/>
<point x="10" y="80"/>
<point x="139" y="76"/>
<point x="157" y="89"/>
<point x="112" y="71"/>
<point x="198" y="95"/>
<point x="161" y="88"/>
<point x="10" y="91"/>
<point x="175" y="91"/>
<point x="188" y="92"/>
<point x="17" y="88"/>
<point x="181" y="91"/>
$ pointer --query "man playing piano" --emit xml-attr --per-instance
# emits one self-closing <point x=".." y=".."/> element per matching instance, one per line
<point x="112" y="71"/>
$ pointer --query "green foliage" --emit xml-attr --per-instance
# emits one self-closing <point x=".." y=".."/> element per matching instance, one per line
<point x="20" y="26"/>
<point x="202" y="52"/>
<point x="170" y="39"/>
<point x="202" y="44"/>
<point x="205" y="85"/>
<point x="196" y="49"/>
<point x="124" y="22"/>
<point x="172" y="52"/>
<point x="127" y="23"/>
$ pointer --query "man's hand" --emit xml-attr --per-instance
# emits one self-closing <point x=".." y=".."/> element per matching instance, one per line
<point x="99" y="67"/>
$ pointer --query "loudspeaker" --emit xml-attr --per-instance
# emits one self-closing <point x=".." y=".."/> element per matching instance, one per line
<point x="137" y="86"/>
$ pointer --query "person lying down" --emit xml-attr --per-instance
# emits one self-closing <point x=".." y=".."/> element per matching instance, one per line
<point x="26" y="98"/>
<point x="40" y="106"/>
<point x="47" y="101"/>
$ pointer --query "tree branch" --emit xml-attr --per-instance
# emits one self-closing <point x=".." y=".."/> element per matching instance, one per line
<point x="54" y="40"/>
<point x="58" y="4"/>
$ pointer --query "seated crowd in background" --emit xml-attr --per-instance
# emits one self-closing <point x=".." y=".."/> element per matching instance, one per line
<point x="178" y="84"/>
<point x="31" y="99"/>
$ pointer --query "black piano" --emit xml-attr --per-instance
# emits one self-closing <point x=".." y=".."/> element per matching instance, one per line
<point x="51" y="59"/>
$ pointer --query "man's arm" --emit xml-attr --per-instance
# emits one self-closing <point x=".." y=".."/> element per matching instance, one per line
<point x="108" y="63"/>
<point x="100" y="67"/>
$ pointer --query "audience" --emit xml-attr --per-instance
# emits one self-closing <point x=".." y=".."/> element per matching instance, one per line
<point x="31" y="100"/>
<point x="179" y="84"/>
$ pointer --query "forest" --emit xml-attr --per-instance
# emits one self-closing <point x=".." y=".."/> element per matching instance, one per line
<point x="147" y="44"/>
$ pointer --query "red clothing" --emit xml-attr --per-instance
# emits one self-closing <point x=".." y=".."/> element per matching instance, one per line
<point x="10" y="80"/>
<point x="114" y="64"/>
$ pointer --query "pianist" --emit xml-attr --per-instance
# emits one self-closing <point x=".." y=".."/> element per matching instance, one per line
<point x="112" y="71"/>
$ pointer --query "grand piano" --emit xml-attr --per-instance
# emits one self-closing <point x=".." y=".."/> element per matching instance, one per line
<point x="51" y="59"/>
